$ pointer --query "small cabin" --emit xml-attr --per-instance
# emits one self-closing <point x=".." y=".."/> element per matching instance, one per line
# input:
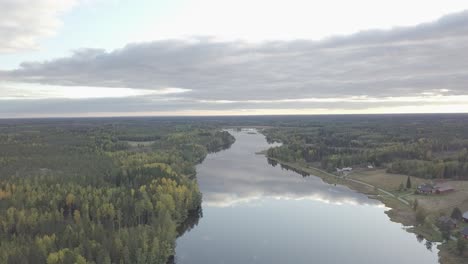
<point x="465" y="216"/>
<point x="464" y="232"/>
<point x="344" y="171"/>
<point x="425" y="188"/>
<point x="447" y="222"/>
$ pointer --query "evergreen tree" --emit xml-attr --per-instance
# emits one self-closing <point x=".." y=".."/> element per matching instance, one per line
<point x="408" y="183"/>
<point x="456" y="214"/>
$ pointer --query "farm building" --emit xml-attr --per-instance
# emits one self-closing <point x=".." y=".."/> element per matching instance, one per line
<point x="425" y="188"/>
<point x="443" y="188"/>
<point x="464" y="232"/>
<point x="447" y="222"/>
<point x="344" y="171"/>
<point x="465" y="216"/>
<point x="438" y="188"/>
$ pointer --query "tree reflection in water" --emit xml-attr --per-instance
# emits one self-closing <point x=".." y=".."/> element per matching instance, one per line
<point x="274" y="163"/>
<point x="192" y="221"/>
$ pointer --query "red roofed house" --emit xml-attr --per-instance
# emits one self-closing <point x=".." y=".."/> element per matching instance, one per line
<point x="443" y="188"/>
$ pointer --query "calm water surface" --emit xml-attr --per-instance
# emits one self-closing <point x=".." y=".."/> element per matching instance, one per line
<point x="254" y="212"/>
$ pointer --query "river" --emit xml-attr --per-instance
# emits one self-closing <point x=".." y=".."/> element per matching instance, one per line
<point x="254" y="212"/>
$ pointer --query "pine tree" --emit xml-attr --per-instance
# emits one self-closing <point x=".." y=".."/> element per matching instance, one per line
<point x="408" y="183"/>
<point x="456" y="214"/>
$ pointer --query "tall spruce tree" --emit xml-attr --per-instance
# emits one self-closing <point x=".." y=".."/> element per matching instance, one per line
<point x="408" y="183"/>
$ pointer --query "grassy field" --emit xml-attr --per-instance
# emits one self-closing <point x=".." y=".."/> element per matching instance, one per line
<point x="140" y="143"/>
<point x="443" y="203"/>
<point x="386" y="181"/>
<point x="435" y="204"/>
<point x="446" y="202"/>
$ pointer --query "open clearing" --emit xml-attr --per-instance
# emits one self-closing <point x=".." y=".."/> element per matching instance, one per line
<point x="381" y="179"/>
<point x="443" y="203"/>
<point x="140" y="143"/>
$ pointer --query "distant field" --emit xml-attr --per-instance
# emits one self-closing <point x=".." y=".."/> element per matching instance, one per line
<point x="434" y="203"/>
<point x="446" y="202"/>
<point x="384" y="180"/>
<point x="140" y="143"/>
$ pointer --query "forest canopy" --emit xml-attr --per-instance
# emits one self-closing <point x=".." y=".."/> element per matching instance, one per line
<point x="99" y="191"/>
<point x="426" y="146"/>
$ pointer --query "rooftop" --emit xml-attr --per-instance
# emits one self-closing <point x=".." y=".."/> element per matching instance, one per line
<point x="465" y="231"/>
<point x="465" y="215"/>
<point x="446" y="219"/>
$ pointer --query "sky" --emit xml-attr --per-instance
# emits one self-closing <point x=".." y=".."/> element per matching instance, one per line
<point x="61" y="58"/>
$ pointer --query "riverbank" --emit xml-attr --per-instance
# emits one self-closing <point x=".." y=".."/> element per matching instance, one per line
<point x="400" y="211"/>
<point x="377" y="184"/>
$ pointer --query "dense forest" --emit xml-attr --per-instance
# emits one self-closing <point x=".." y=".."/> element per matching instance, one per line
<point x="121" y="190"/>
<point x="99" y="190"/>
<point x="427" y="146"/>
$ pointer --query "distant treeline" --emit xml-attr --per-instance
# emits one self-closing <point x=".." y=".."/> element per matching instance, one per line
<point x="138" y="138"/>
<point x="422" y="146"/>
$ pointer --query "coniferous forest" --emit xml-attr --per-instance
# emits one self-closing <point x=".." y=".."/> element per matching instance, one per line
<point x="425" y="146"/>
<point x="99" y="190"/>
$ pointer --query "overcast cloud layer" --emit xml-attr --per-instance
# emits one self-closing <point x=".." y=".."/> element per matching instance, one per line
<point x="400" y="67"/>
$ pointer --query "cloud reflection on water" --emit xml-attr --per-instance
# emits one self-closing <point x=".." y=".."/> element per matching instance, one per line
<point x="239" y="176"/>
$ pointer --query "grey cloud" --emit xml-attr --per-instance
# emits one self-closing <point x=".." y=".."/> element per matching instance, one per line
<point x="399" y="62"/>
<point x="449" y="26"/>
